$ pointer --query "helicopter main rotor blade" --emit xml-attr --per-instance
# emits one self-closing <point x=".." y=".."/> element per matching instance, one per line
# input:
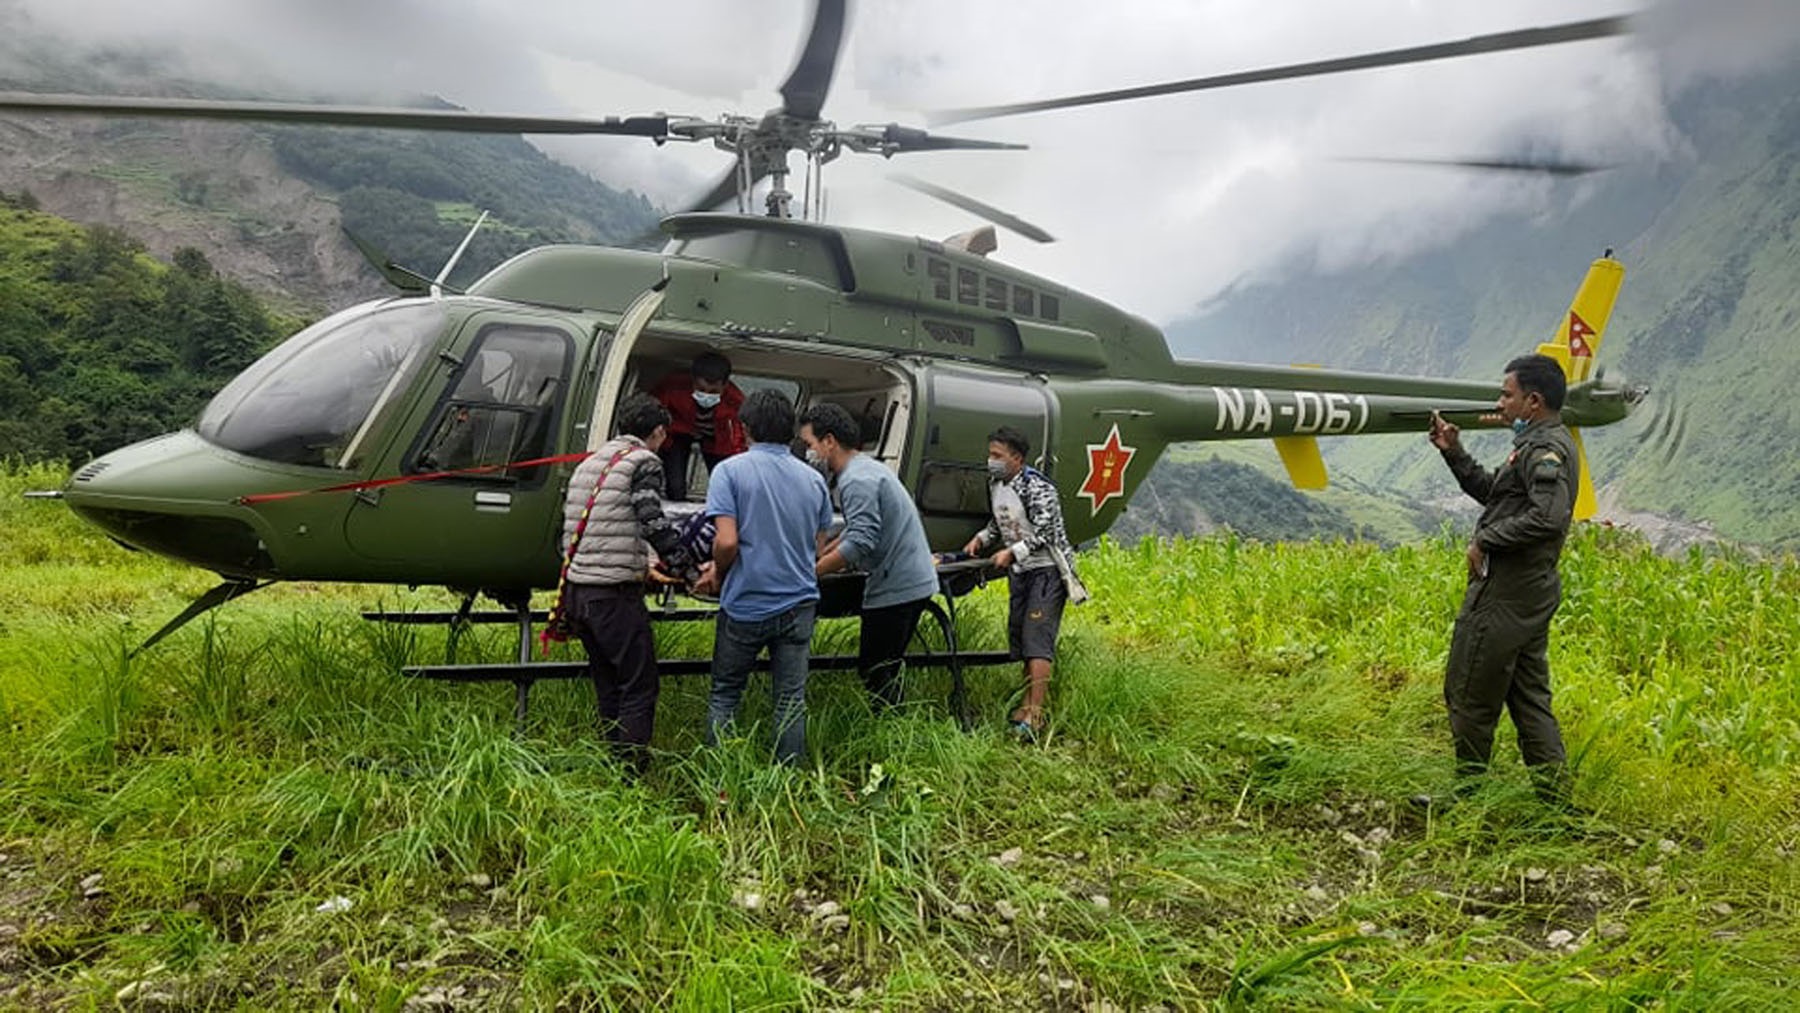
<point x="1528" y="38"/>
<point x="897" y="140"/>
<point x="328" y="115"/>
<point x="727" y="186"/>
<point x="974" y="207"/>
<point x="1544" y="166"/>
<point x="720" y="192"/>
<point x="725" y="189"/>
<point x="803" y="93"/>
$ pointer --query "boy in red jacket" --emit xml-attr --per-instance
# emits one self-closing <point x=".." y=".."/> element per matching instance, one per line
<point x="703" y="408"/>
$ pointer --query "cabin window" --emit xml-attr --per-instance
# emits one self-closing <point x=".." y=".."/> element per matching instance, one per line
<point x="996" y="294"/>
<point x="315" y="398"/>
<point x="939" y="273"/>
<point x="953" y="488"/>
<point x="965" y="406"/>
<point x="1050" y="306"/>
<point x="503" y="404"/>
<point x="968" y="287"/>
<point x="1024" y="301"/>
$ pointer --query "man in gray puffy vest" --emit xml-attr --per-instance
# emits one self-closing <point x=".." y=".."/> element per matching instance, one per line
<point x="605" y="589"/>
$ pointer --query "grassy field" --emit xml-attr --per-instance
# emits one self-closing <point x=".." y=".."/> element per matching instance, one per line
<point x="260" y="813"/>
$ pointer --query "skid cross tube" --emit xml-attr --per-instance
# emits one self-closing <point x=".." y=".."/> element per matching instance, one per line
<point x="954" y="580"/>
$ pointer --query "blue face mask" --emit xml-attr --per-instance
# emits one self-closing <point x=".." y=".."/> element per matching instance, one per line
<point x="705" y="400"/>
<point x="1520" y="425"/>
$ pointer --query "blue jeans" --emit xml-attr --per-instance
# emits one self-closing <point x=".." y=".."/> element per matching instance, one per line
<point x="788" y="636"/>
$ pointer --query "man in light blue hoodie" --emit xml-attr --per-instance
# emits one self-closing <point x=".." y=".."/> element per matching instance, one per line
<point x="882" y="536"/>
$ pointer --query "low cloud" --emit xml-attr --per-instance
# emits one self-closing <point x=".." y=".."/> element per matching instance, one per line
<point x="1159" y="203"/>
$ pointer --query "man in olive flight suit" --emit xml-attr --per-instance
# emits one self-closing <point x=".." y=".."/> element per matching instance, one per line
<point x="1499" y="651"/>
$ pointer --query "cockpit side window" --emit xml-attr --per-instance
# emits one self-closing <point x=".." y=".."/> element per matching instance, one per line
<point x="313" y="399"/>
<point x="502" y="406"/>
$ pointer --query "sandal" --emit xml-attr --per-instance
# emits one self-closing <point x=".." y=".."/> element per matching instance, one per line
<point x="1025" y="732"/>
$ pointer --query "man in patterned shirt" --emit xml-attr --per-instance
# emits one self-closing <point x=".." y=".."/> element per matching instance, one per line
<point x="1035" y="550"/>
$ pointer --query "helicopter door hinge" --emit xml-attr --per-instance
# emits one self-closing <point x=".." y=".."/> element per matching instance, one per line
<point x="369" y="497"/>
<point x="450" y="360"/>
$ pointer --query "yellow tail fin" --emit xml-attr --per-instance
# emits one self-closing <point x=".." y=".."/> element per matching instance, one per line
<point x="1305" y="466"/>
<point x="1578" y="336"/>
<point x="1577" y="343"/>
<point x="1586" y="502"/>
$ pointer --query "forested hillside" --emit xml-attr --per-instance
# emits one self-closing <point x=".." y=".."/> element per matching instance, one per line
<point x="1708" y="316"/>
<point x="416" y="195"/>
<point x="102" y="345"/>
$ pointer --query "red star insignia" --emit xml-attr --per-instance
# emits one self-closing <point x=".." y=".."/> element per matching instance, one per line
<point x="1106" y="470"/>
<point x="1579" y="333"/>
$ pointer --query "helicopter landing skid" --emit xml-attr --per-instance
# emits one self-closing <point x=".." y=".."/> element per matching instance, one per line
<point x="954" y="581"/>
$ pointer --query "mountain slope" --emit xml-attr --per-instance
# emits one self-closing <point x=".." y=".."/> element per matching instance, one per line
<point x="1707" y="317"/>
<point x="267" y="204"/>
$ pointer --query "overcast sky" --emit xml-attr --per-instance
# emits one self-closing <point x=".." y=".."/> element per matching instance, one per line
<point x="1157" y="203"/>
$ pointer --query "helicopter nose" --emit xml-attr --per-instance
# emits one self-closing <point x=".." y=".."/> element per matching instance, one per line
<point x="172" y="495"/>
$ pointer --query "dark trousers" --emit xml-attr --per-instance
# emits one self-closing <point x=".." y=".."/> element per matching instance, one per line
<point x="676" y="452"/>
<point x="1034" y="612"/>
<point x="614" y="626"/>
<point x="788" y="636"/>
<point x="1499" y="658"/>
<point x="881" y="650"/>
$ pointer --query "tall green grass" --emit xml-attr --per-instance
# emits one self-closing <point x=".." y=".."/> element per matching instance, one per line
<point x="1218" y="817"/>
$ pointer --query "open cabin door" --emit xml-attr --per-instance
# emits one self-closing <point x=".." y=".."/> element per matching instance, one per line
<point x="964" y="405"/>
<point x="498" y="399"/>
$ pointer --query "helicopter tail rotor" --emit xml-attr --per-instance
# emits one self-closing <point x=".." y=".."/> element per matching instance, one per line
<point x="1667" y="428"/>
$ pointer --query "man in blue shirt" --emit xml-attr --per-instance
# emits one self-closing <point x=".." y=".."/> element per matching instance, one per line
<point x="882" y="536"/>
<point x="769" y="509"/>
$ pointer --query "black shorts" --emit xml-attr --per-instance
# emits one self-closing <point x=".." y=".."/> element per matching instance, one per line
<point x="1034" y="615"/>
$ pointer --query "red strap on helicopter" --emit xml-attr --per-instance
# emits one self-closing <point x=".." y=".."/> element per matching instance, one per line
<point x="376" y="483"/>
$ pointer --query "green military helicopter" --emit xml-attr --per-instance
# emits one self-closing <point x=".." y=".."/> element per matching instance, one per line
<point x="427" y="438"/>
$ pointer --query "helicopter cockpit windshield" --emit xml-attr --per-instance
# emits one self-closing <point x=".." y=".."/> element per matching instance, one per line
<point x="316" y="396"/>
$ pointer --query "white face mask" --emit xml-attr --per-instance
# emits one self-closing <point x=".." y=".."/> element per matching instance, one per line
<point x="997" y="469"/>
<point x="705" y="400"/>
<point x="818" y="462"/>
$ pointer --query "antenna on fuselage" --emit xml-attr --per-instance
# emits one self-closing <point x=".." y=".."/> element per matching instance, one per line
<point x="437" y="283"/>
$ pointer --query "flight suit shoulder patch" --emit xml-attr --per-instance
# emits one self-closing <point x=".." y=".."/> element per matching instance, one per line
<point x="1547" y="465"/>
